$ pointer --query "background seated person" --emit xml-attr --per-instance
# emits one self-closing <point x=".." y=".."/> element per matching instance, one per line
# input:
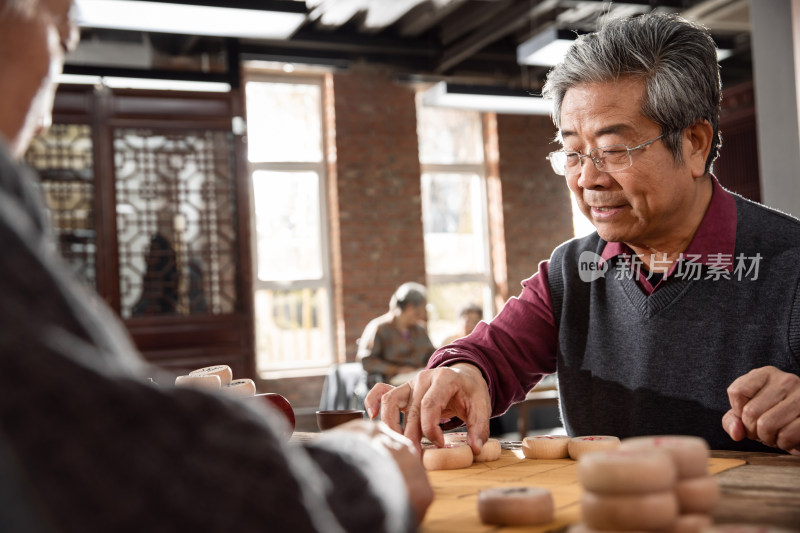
<point x="468" y="317"/>
<point x="396" y="345"/>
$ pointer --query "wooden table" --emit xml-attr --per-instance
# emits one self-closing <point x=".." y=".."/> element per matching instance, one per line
<point x="756" y="488"/>
<point x="766" y="490"/>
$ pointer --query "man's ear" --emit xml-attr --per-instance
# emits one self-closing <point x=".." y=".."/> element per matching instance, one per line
<point x="697" y="145"/>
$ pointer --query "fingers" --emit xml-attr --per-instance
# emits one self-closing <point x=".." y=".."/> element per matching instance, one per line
<point x="478" y="427"/>
<point x="480" y="407"/>
<point x="789" y="437"/>
<point x="746" y="387"/>
<point x="392" y="403"/>
<point x="733" y="426"/>
<point x="765" y="406"/>
<point x="777" y="419"/>
<point x="769" y="396"/>
<point x="457" y="391"/>
<point x="408" y="461"/>
<point x="420" y="395"/>
<point x="373" y="400"/>
<point x="444" y="392"/>
<point x="404" y="454"/>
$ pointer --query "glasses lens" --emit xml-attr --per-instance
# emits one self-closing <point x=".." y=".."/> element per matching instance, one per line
<point x="611" y="158"/>
<point x="558" y="161"/>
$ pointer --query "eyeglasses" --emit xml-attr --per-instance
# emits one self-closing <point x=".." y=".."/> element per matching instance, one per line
<point x="605" y="158"/>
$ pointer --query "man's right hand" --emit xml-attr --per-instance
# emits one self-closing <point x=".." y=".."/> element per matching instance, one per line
<point x="433" y="395"/>
<point x="401" y="449"/>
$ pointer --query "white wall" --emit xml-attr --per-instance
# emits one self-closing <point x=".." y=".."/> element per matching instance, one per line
<point x="774" y="73"/>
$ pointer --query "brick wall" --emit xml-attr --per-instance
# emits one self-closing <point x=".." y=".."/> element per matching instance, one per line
<point x="374" y="181"/>
<point x="536" y="206"/>
<point x="378" y="189"/>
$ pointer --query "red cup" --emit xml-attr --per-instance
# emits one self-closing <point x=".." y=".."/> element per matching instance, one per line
<point x="278" y="402"/>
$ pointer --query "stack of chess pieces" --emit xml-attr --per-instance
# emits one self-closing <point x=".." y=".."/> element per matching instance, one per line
<point x="218" y="378"/>
<point x="657" y="483"/>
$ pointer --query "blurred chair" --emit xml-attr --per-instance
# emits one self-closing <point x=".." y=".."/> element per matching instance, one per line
<point x="345" y="387"/>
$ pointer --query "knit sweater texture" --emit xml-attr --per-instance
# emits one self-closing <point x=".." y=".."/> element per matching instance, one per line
<point x="631" y="364"/>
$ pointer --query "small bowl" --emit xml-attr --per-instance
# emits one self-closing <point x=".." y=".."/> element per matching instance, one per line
<point x="329" y="419"/>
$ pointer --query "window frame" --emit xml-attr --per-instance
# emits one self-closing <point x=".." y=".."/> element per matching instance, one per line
<point x="326" y="280"/>
<point x="486" y="277"/>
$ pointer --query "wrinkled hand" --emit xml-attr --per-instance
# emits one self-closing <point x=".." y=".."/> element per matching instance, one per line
<point x="765" y="406"/>
<point x="402" y="450"/>
<point x="446" y="392"/>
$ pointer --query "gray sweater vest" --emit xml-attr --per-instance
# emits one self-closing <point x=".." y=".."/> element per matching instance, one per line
<point x="631" y="364"/>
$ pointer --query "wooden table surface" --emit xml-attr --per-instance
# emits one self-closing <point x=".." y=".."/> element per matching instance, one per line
<point x="756" y="488"/>
<point x="765" y="490"/>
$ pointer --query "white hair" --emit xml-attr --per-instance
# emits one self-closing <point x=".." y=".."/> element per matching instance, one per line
<point x="676" y="58"/>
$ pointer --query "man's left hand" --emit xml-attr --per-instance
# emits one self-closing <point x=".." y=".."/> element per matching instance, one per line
<point x="765" y="406"/>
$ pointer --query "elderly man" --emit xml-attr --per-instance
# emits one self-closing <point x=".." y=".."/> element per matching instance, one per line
<point x="395" y="345"/>
<point x="681" y="313"/>
<point x="85" y="443"/>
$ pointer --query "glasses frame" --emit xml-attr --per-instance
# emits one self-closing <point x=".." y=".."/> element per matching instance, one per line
<point x="594" y="159"/>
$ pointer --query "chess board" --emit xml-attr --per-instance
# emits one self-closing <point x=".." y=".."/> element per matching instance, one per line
<point x="455" y="507"/>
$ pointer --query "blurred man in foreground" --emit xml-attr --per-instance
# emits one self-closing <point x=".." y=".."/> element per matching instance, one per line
<point x="86" y="445"/>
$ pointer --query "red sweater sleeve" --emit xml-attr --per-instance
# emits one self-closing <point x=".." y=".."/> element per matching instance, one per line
<point x="513" y="350"/>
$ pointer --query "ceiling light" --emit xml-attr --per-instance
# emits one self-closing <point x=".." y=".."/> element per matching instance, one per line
<point x="546" y="48"/>
<point x="116" y="82"/>
<point x="549" y="47"/>
<point x="273" y="19"/>
<point x="486" y="98"/>
<point x="723" y="54"/>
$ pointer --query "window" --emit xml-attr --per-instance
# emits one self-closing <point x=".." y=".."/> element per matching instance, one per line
<point x="63" y="156"/>
<point x="580" y="224"/>
<point x="176" y="221"/>
<point x="292" y="272"/>
<point x="454" y="214"/>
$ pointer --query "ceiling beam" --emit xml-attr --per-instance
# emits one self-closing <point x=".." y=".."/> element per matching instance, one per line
<point x="505" y="23"/>
<point x="472" y="16"/>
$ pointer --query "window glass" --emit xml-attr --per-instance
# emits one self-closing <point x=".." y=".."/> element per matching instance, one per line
<point x="453" y="219"/>
<point x="292" y="330"/>
<point x="287" y="225"/>
<point x="293" y="309"/>
<point x="448" y="136"/>
<point x="454" y="215"/>
<point x="284" y="121"/>
<point x="580" y="224"/>
<point x="445" y="301"/>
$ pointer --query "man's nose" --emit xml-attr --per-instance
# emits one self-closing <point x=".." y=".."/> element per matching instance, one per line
<point x="590" y="177"/>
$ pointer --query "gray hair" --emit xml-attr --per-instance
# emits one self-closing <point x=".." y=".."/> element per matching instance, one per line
<point x="409" y="293"/>
<point x="676" y="58"/>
